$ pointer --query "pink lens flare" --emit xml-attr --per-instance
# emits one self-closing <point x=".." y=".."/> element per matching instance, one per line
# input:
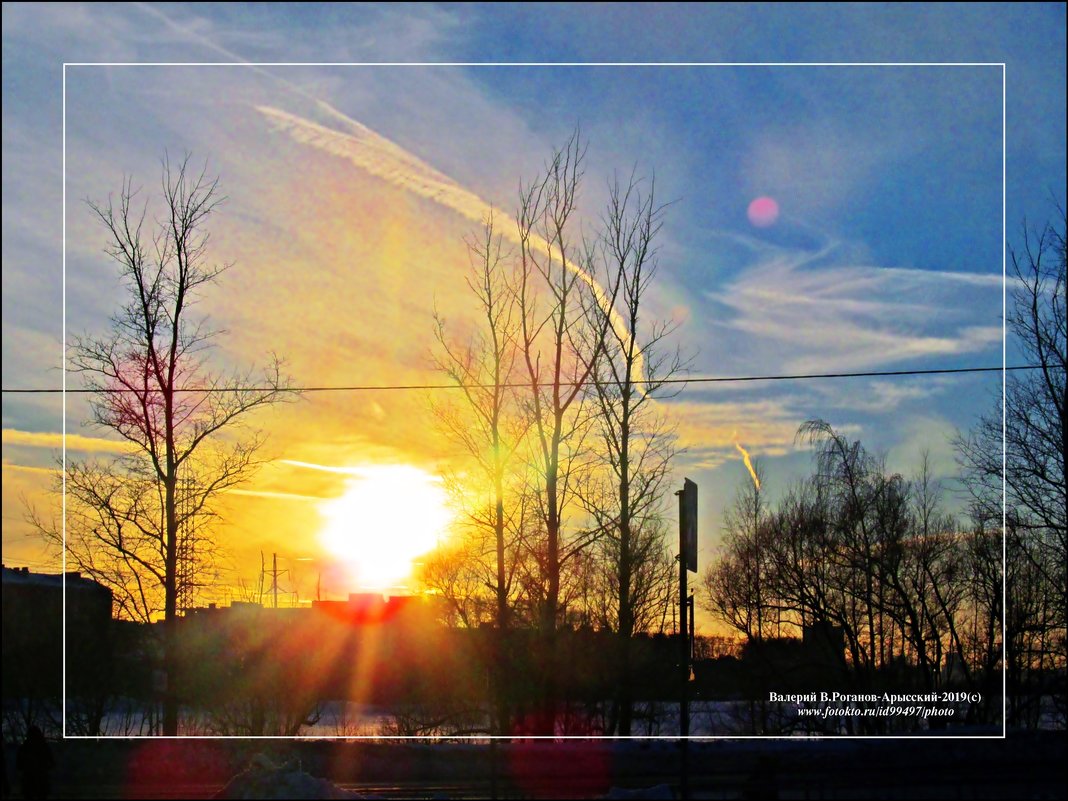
<point x="763" y="211"/>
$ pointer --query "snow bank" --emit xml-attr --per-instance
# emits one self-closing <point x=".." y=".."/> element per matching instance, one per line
<point x="265" y="779"/>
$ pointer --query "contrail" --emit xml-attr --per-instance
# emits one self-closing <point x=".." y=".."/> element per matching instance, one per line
<point x="278" y="496"/>
<point x="348" y="471"/>
<point x="748" y="464"/>
<point x="383" y="159"/>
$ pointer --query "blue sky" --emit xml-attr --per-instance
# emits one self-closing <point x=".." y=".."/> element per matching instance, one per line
<point x="887" y="254"/>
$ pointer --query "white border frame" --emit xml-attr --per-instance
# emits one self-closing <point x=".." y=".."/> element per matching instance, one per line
<point x="476" y="64"/>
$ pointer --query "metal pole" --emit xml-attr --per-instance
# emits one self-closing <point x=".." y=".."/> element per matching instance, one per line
<point x="684" y="651"/>
<point x="693" y="638"/>
<point x="684" y="659"/>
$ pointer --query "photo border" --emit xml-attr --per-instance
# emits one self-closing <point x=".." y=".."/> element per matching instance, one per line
<point x="542" y="64"/>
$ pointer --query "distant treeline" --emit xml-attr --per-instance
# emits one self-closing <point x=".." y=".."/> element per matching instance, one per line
<point x="250" y="671"/>
<point x="911" y="595"/>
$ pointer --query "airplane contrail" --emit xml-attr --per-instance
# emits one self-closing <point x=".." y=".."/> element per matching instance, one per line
<point x="387" y="160"/>
<point x="748" y="464"/>
<point x="383" y="159"/>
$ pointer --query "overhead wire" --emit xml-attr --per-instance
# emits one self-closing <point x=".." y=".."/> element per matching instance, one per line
<point x="518" y="385"/>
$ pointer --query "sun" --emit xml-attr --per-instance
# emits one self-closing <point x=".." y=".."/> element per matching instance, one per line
<point x="389" y="516"/>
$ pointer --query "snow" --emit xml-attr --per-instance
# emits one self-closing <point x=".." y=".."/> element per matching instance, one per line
<point x="265" y="779"/>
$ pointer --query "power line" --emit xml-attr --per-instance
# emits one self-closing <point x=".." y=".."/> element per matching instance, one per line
<point x="523" y="384"/>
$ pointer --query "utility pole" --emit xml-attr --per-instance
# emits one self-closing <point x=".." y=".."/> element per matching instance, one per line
<point x="275" y="573"/>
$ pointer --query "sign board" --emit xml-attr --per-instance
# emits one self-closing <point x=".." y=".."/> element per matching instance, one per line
<point x="688" y="525"/>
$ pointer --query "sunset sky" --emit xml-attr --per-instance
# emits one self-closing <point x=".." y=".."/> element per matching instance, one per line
<point x="350" y="189"/>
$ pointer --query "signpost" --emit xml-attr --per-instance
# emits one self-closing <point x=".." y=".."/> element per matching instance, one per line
<point x="688" y="524"/>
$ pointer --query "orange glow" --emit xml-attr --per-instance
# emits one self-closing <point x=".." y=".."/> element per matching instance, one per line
<point x="388" y="517"/>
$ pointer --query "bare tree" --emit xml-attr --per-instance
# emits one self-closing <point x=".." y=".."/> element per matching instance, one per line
<point x="582" y="433"/>
<point x="483" y="368"/>
<point x="462" y="575"/>
<point x="857" y="552"/>
<point x="558" y="353"/>
<point x="488" y="425"/>
<point x="736" y="588"/>
<point x="554" y="288"/>
<point x="138" y="523"/>
<point x="847" y="479"/>
<point x="636" y="440"/>
<point x="1035" y="478"/>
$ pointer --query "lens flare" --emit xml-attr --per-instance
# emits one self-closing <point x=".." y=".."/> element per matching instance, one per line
<point x="763" y="212"/>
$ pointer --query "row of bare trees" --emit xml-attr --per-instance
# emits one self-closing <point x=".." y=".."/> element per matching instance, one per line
<point x="915" y="598"/>
<point x="568" y="449"/>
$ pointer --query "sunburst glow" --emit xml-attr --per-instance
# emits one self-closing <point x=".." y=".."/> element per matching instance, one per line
<point x="388" y="517"/>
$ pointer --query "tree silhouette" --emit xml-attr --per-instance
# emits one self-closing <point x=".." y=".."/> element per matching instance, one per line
<point x="138" y="523"/>
<point x="1035" y="478"/>
<point x="488" y="425"/>
<point x="636" y="440"/>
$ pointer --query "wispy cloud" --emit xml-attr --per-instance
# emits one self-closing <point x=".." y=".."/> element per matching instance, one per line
<point x="709" y="431"/>
<point x="324" y="468"/>
<point x="825" y="316"/>
<point x="277" y="496"/>
<point x="25" y="468"/>
<point x="55" y="440"/>
<point x="380" y="157"/>
<point x="881" y="396"/>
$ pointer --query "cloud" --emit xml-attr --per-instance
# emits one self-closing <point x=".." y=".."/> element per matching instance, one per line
<point x="54" y="440"/>
<point x="378" y="156"/>
<point x="880" y="396"/>
<point x="383" y="159"/>
<point x="819" y="316"/>
<point x="709" y="431"/>
<point x="278" y="496"/>
<point x="325" y="468"/>
<point x="24" y="468"/>
<point x="930" y="434"/>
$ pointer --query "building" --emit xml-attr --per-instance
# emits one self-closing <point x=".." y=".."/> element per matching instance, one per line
<point x="33" y="626"/>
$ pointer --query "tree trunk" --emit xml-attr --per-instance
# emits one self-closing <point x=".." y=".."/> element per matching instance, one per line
<point x="500" y="663"/>
<point x="170" y="620"/>
<point x="546" y="725"/>
<point x="626" y="608"/>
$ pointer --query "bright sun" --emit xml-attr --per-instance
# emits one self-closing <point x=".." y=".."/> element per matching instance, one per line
<point x="389" y="517"/>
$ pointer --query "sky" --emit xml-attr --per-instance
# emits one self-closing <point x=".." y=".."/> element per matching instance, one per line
<point x="350" y="189"/>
